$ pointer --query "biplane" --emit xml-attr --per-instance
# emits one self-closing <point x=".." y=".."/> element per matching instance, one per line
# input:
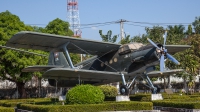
<point x="109" y="63"/>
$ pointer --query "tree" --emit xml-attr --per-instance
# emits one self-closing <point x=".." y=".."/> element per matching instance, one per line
<point x="196" y="25"/>
<point x="126" y="40"/>
<point x="59" y="27"/>
<point x="38" y="29"/>
<point x="156" y="33"/>
<point x="12" y="62"/>
<point x="107" y="38"/>
<point x="189" y="59"/>
<point x="189" y="30"/>
<point x="140" y="39"/>
<point x="175" y="34"/>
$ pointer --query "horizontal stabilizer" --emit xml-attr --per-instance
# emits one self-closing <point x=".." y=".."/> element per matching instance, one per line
<point x="40" y="68"/>
<point x="164" y="73"/>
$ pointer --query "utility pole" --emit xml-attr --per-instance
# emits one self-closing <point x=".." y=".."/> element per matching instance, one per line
<point x="121" y="27"/>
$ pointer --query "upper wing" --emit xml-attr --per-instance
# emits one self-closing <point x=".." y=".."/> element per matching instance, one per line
<point x="172" y="49"/>
<point x="49" y="42"/>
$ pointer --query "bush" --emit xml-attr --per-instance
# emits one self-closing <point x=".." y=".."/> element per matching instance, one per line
<point x="109" y="91"/>
<point x="4" y="109"/>
<point x="112" y="106"/>
<point x="85" y="94"/>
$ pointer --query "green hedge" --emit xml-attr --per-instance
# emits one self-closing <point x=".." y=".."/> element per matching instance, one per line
<point x="185" y="104"/>
<point x="6" y="109"/>
<point x="109" y="91"/>
<point x="117" y="106"/>
<point x="14" y="102"/>
<point x="140" y="97"/>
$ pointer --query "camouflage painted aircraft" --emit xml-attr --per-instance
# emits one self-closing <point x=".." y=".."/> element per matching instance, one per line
<point x="110" y="62"/>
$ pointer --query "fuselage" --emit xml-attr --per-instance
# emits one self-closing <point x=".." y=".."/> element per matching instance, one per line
<point x="131" y="58"/>
<point x="126" y="59"/>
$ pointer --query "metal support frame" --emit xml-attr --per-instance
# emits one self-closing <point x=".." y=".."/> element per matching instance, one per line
<point x="132" y="81"/>
<point x="150" y="83"/>
<point x="123" y="79"/>
<point x="64" y="47"/>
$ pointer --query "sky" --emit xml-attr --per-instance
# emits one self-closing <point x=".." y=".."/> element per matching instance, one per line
<point x="41" y="12"/>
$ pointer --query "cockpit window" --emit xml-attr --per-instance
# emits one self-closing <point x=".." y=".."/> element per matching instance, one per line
<point x="127" y="48"/>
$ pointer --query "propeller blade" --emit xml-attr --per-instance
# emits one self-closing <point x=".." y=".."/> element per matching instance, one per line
<point x="170" y="57"/>
<point x="162" y="63"/>
<point x="153" y="43"/>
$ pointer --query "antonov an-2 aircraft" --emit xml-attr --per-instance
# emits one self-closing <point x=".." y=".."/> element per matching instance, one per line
<point x="110" y="62"/>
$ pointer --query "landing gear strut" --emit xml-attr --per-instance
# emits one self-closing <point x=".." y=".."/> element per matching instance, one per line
<point x="124" y="89"/>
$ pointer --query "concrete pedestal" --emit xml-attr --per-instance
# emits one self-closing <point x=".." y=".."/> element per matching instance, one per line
<point x="122" y="98"/>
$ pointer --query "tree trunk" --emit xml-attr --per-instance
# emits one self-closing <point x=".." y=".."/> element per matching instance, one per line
<point x="21" y="90"/>
<point x="169" y="82"/>
<point x="185" y="84"/>
<point x="164" y="82"/>
<point x="39" y="88"/>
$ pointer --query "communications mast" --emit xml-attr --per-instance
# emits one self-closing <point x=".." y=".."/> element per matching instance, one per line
<point x="73" y="17"/>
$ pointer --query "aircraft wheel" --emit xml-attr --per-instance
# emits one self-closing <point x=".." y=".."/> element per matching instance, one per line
<point x="154" y="90"/>
<point x="124" y="90"/>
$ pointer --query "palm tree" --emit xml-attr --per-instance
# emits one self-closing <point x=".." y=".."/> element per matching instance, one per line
<point x="196" y="25"/>
<point x="107" y="38"/>
<point x="175" y="34"/>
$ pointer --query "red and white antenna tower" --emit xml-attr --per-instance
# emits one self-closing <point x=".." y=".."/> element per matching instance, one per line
<point x="73" y="17"/>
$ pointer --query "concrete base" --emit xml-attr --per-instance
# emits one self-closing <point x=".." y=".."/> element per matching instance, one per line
<point x="122" y="98"/>
<point x="156" y="97"/>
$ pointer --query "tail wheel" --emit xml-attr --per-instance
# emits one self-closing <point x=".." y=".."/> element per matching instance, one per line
<point x="124" y="90"/>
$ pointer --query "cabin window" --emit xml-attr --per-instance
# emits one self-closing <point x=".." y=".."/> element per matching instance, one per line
<point x="127" y="48"/>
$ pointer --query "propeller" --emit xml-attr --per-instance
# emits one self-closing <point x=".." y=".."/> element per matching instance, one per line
<point x="164" y="53"/>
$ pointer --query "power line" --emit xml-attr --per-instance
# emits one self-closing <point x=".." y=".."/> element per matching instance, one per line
<point x="160" y="23"/>
<point x="135" y="25"/>
<point x="112" y="22"/>
<point x="97" y="25"/>
<point x="140" y="24"/>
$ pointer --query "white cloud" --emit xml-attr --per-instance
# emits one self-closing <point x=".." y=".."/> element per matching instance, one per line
<point x="94" y="28"/>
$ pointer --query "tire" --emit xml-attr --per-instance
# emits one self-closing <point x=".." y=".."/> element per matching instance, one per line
<point x="154" y="90"/>
<point x="124" y="90"/>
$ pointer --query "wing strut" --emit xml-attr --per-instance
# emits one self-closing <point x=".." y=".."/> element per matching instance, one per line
<point x="154" y="89"/>
<point x="64" y="47"/>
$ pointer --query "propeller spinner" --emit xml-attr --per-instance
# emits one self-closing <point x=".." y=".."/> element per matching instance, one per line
<point x="164" y="53"/>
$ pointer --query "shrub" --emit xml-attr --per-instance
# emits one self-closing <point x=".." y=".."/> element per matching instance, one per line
<point x="4" y="109"/>
<point x="109" y="91"/>
<point x="85" y="94"/>
<point x="111" y="106"/>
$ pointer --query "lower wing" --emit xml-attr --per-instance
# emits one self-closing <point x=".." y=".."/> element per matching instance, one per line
<point x="102" y="77"/>
<point x="40" y="68"/>
<point x="164" y="73"/>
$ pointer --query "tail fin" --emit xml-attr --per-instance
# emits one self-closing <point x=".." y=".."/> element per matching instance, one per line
<point x="57" y="58"/>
